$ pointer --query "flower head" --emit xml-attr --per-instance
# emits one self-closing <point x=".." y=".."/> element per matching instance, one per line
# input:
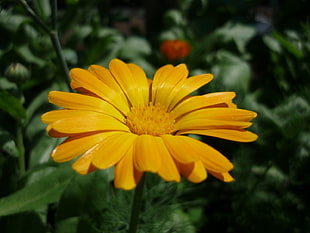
<point x="120" y="118"/>
<point x="175" y="50"/>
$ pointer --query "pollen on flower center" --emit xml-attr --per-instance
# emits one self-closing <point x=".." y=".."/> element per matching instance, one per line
<point x="151" y="120"/>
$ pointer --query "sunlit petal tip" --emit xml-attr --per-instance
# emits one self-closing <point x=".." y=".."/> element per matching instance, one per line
<point x="183" y="66"/>
<point x="44" y="118"/>
<point x="74" y="72"/>
<point x="80" y="168"/>
<point x="255" y="114"/>
<point x="125" y="186"/>
<point x="116" y="63"/>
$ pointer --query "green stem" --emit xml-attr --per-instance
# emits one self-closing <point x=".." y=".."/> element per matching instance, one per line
<point x="20" y="138"/>
<point x="34" y="16"/>
<point x="21" y="148"/>
<point x="136" y="206"/>
<point x="53" y="33"/>
<point x="55" y="40"/>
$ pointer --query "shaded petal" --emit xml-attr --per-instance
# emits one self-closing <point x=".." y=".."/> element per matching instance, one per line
<point x="84" y="165"/>
<point x="83" y="102"/>
<point x="146" y="153"/>
<point x="125" y="175"/>
<point x="134" y="85"/>
<point x="53" y="133"/>
<point x="84" y="79"/>
<point x="168" y="169"/>
<point x="180" y="148"/>
<point x="211" y="158"/>
<point x="112" y="149"/>
<point x="197" y="102"/>
<point x="229" y="134"/>
<point x="187" y="150"/>
<point x="183" y="89"/>
<point x="88" y="123"/>
<point x="194" y="172"/>
<point x="164" y="88"/>
<point x="75" y="146"/>
<point x="224" y="176"/>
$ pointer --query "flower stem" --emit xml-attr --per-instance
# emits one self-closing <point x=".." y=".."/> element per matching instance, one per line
<point x="136" y="206"/>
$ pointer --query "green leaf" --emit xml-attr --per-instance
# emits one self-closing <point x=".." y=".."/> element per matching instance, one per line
<point x="231" y="72"/>
<point x="272" y="43"/>
<point x="10" y="21"/>
<point x="11" y="105"/>
<point x="135" y="47"/>
<point x="45" y="190"/>
<point x="173" y="18"/>
<point x="41" y="149"/>
<point x="44" y="8"/>
<point x="237" y="32"/>
<point x="25" y="52"/>
<point x="7" y="143"/>
<point x="70" y="56"/>
<point x="290" y="47"/>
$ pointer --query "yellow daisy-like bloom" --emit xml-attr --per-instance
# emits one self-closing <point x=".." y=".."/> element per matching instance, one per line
<point x="120" y="118"/>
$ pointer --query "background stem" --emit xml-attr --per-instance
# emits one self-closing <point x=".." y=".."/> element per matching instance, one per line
<point x="52" y="32"/>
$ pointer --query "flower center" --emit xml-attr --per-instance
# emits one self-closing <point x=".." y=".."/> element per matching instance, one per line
<point x="151" y="120"/>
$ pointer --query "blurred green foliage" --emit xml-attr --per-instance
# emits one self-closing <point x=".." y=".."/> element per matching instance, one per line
<point x="260" y="49"/>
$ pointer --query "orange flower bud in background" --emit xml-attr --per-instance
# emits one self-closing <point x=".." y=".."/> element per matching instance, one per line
<point x="175" y="49"/>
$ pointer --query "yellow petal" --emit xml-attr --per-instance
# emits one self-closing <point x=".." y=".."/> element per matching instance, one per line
<point x="167" y="87"/>
<point x="186" y="150"/>
<point x="211" y="158"/>
<point x="194" y="172"/>
<point x="111" y="150"/>
<point x="204" y="124"/>
<point x="124" y="173"/>
<point x="197" y="102"/>
<point x="146" y="154"/>
<point x="75" y="146"/>
<point x="83" y="102"/>
<point x="88" y="123"/>
<point x="84" y="165"/>
<point x="84" y="79"/>
<point x="225" y="114"/>
<point x="160" y="76"/>
<point x="229" y="134"/>
<point x="224" y="176"/>
<point x="105" y="76"/>
<point x="168" y="169"/>
<point x="56" y="115"/>
<point x="191" y="84"/>
<point x="142" y="82"/>
<point x="180" y="148"/>
<point x="134" y="85"/>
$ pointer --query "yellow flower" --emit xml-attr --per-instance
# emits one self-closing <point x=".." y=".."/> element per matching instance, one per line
<point x="120" y="118"/>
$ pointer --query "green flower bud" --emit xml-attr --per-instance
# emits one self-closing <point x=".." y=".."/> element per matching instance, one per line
<point x="17" y="73"/>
